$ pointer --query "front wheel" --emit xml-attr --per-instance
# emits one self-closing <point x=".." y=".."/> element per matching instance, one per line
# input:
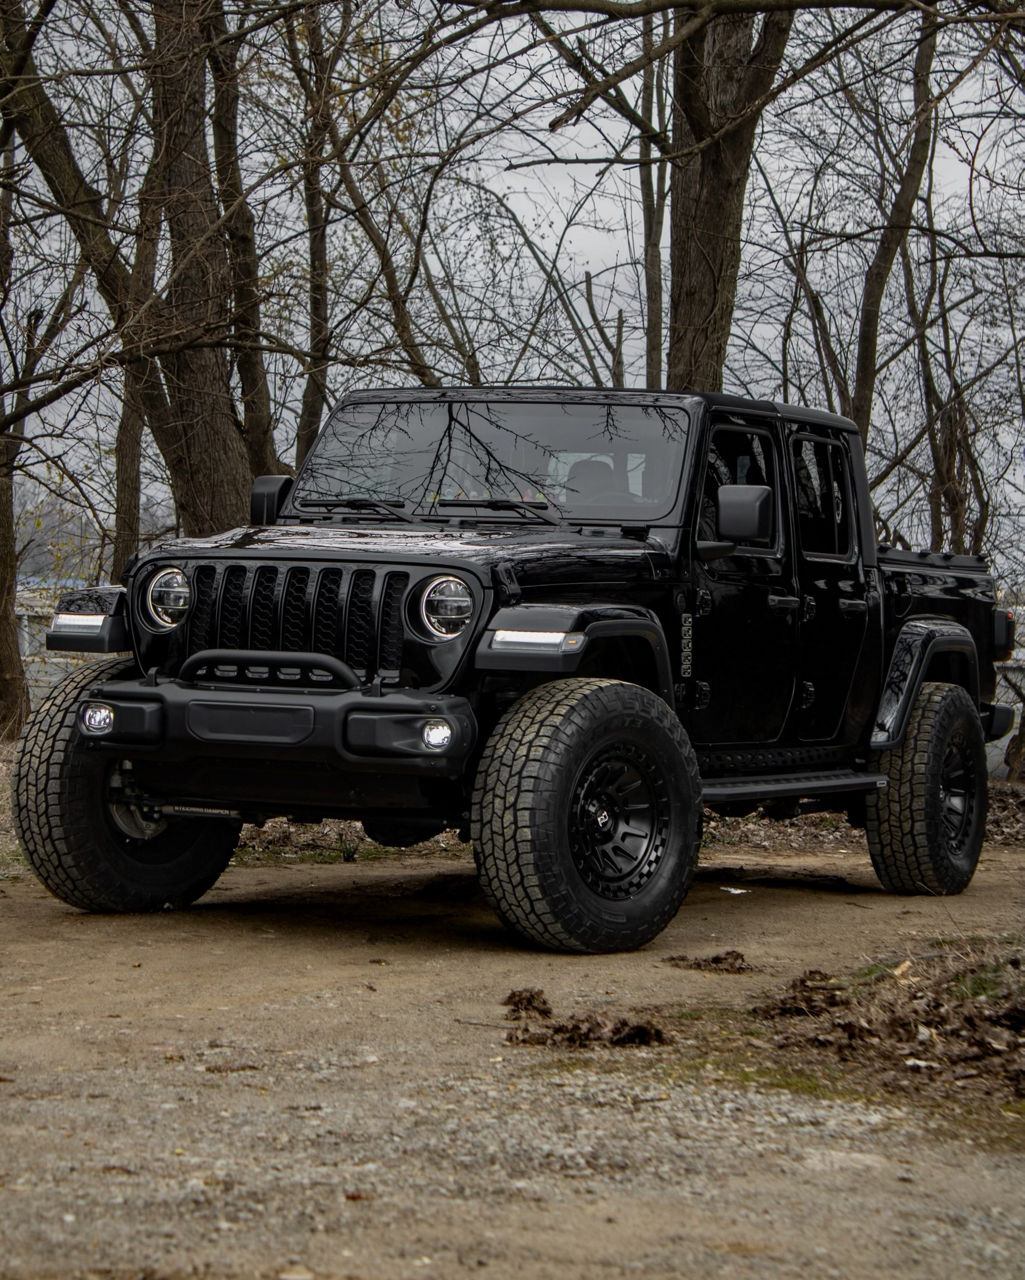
<point x="587" y="816"/>
<point x="925" y="829"/>
<point x="86" y="839"/>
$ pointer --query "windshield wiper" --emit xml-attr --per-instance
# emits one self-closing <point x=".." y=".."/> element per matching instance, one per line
<point x="524" y="507"/>
<point x="396" y="508"/>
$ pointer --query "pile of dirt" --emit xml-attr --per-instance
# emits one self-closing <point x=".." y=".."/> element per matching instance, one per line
<point x="580" y="1030"/>
<point x="724" y="962"/>
<point x="768" y="829"/>
<point x="526" y="1001"/>
<point x="955" y="1017"/>
<point x="279" y="842"/>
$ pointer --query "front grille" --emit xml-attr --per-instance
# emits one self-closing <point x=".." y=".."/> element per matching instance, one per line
<point x="353" y="614"/>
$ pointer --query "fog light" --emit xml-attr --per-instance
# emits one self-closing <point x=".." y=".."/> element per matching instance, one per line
<point x="96" y="718"/>
<point x="436" y="735"/>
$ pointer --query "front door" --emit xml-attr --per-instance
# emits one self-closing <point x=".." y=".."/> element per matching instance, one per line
<point x="745" y="606"/>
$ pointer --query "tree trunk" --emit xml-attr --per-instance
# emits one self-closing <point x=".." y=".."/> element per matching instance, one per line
<point x="196" y="373"/>
<point x="242" y="255"/>
<point x="127" y="456"/>
<point x="317" y="85"/>
<point x="187" y="398"/>
<point x="895" y="231"/>
<point x="721" y="76"/>
<point x="651" y="180"/>
<point x="13" y="687"/>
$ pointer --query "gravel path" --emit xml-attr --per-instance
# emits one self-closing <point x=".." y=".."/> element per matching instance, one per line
<point x="307" y="1076"/>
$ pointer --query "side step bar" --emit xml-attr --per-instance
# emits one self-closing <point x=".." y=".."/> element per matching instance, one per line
<point x="768" y="786"/>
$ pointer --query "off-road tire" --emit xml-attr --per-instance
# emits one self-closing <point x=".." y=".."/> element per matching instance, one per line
<point x="64" y="821"/>
<point x="925" y="829"/>
<point x="567" y="758"/>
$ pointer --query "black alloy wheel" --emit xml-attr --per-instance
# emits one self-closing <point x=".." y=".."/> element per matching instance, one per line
<point x="586" y="816"/>
<point x="619" y="820"/>
<point x="925" y="829"/>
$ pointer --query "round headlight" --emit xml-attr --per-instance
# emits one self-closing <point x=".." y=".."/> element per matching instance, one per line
<point x="168" y="598"/>
<point x="446" y="607"/>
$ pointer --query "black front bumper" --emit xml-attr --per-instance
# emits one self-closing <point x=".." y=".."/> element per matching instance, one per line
<point x="362" y="729"/>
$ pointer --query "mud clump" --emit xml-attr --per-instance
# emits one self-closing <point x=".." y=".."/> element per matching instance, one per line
<point x="579" y="1030"/>
<point x="526" y="1001"/>
<point x="724" y="962"/>
<point x="583" y="1030"/>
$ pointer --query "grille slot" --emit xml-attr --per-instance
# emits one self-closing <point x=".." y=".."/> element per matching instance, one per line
<point x="391" y="621"/>
<point x="262" y="618"/>
<point x="327" y="612"/>
<point x="360" y="630"/>
<point x="201" y="623"/>
<point x="355" y="615"/>
<point x="233" y="607"/>
<point x="293" y="611"/>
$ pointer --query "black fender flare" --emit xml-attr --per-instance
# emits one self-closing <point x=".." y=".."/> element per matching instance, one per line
<point x="918" y="642"/>
<point x="553" y="638"/>
<point x="93" y="620"/>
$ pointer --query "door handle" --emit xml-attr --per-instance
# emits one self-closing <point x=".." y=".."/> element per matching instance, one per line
<point x="851" y="607"/>
<point x="784" y="604"/>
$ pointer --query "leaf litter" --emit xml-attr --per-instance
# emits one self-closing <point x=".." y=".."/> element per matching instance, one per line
<point x="956" y="1015"/>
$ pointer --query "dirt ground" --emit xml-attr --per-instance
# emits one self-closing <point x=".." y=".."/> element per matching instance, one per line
<point x="308" y="1075"/>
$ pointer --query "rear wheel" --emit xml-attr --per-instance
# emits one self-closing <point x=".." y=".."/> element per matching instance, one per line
<point x="587" y="816"/>
<point x="87" y="838"/>
<point x="925" y="829"/>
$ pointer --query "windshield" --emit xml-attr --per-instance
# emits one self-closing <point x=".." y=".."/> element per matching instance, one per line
<point x="577" y="461"/>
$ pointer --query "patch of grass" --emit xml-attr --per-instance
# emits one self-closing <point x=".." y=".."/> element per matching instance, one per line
<point x="875" y="972"/>
<point x="806" y="1083"/>
<point x="12" y="862"/>
<point x="985" y="982"/>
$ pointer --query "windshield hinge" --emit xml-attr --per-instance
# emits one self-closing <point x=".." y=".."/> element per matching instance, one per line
<point x="509" y="591"/>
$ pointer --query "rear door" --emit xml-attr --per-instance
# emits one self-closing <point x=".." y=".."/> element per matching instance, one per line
<point x="834" y="609"/>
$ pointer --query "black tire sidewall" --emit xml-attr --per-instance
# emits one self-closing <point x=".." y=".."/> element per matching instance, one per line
<point x="953" y="867"/>
<point x="592" y="919"/>
<point x="908" y="842"/>
<point x="171" y="869"/>
<point x="60" y="793"/>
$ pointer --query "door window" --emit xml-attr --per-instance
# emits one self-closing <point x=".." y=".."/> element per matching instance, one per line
<point x="737" y="456"/>
<point x="822" y="497"/>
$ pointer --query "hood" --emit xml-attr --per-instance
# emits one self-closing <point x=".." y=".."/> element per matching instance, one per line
<point x="536" y="554"/>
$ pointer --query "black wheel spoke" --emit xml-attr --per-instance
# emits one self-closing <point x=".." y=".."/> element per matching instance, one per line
<point x="619" y="819"/>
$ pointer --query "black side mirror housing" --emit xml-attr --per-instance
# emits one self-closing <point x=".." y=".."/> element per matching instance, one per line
<point x="745" y="512"/>
<point x="268" y="497"/>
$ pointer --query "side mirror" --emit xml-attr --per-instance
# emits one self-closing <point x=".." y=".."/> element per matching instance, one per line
<point x="268" y="497"/>
<point x="745" y="512"/>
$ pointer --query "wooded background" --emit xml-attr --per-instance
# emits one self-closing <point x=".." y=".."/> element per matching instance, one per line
<point x="217" y="217"/>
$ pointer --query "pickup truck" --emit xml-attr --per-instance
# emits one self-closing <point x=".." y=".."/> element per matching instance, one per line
<point x="562" y="621"/>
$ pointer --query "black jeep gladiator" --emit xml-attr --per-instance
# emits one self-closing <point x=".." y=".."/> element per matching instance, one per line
<point x="559" y="620"/>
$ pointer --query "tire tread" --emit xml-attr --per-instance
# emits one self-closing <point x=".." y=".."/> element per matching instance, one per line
<point x="512" y="784"/>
